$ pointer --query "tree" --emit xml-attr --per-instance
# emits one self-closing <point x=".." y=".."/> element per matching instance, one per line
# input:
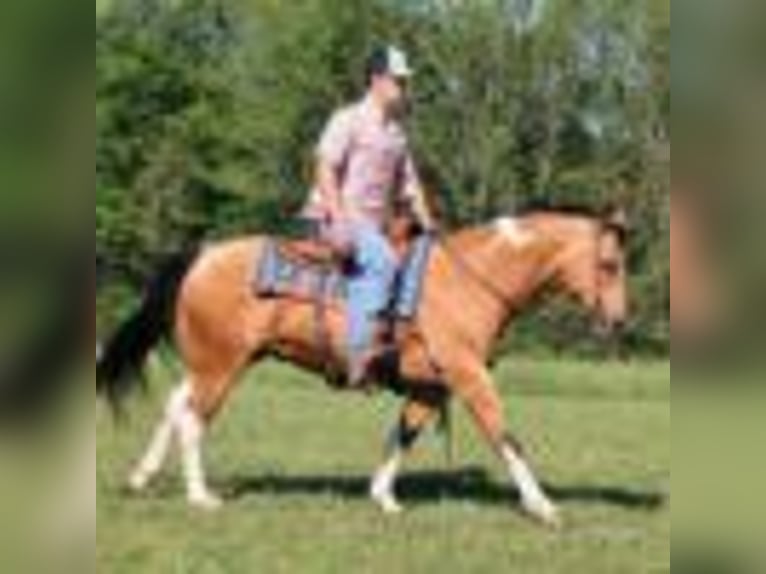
<point x="208" y="112"/>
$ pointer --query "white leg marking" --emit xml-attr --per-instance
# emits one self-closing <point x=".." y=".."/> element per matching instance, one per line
<point x="382" y="487"/>
<point x="191" y="430"/>
<point x="533" y="499"/>
<point x="158" y="449"/>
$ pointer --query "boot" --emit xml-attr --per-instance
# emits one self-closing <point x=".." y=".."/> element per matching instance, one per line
<point x="358" y="372"/>
<point x="362" y="365"/>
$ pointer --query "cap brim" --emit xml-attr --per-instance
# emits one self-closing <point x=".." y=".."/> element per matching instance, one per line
<point x="404" y="73"/>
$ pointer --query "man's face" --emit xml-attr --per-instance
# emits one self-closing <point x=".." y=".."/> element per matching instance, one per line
<point x="392" y="91"/>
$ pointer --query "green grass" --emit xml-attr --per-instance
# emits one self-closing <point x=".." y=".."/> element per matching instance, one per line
<point x="293" y="459"/>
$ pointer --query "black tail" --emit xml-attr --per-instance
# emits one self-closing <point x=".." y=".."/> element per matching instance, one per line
<point x="118" y="368"/>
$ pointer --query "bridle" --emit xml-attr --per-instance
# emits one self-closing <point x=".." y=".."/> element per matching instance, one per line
<point x="600" y="267"/>
<point x="603" y="229"/>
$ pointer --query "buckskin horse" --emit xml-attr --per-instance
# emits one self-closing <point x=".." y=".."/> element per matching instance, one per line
<point x="489" y="272"/>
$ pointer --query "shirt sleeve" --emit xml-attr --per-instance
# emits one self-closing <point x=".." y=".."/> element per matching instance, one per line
<point x="335" y="141"/>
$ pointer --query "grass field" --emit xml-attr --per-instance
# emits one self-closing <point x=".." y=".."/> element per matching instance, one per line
<point x="293" y="460"/>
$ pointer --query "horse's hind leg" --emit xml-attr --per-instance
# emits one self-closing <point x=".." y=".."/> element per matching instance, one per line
<point x="156" y="454"/>
<point x="416" y="414"/>
<point x="190" y="408"/>
<point x="207" y="394"/>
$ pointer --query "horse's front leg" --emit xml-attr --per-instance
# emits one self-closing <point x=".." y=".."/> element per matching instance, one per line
<point x="416" y="414"/>
<point x="477" y="389"/>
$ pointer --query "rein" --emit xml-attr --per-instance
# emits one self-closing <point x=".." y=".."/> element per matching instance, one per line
<point x="486" y="284"/>
<point x="599" y="266"/>
<point x="498" y="294"/>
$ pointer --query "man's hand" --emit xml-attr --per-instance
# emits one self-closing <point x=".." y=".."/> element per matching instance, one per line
<point x="327" y="180"/>
<point x="332" y="213"/>
<point x="422" y="212"/>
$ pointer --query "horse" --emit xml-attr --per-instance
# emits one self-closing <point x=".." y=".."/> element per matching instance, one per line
<point x="490" y="272"/>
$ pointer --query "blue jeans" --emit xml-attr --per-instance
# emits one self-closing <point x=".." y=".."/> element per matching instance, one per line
<point x="369" y="285"/>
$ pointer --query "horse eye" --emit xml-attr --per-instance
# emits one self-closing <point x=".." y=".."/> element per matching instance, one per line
<point x="610" y="267"/>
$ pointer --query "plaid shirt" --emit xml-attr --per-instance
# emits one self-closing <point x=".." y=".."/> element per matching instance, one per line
<point x="371" y="156"/>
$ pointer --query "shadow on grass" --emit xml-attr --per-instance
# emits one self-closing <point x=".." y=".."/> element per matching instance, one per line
<point x="469" y="484"/>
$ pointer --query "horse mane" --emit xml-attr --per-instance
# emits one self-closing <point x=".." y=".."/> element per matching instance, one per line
<point x="548" y="206"/>
<point x="611" y="218"/>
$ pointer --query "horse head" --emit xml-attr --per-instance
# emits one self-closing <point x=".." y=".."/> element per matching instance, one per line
<point x="591" y="262"/>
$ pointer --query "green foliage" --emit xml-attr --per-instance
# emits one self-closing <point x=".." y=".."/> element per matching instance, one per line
<point x="208" y="110"/>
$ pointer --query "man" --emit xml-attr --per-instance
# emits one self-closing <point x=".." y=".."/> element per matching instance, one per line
<point x="364" y="169"/>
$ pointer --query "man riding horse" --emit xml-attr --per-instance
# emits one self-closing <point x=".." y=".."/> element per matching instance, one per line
<point x="364" y="170"/>
<point x="223" y="322"/>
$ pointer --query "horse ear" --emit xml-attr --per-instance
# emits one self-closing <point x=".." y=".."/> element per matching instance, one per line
<point x="617" y="220"/>
<point x="618" y="217"/>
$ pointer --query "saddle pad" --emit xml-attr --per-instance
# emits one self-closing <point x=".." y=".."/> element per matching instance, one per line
<point x="278" y="276"/>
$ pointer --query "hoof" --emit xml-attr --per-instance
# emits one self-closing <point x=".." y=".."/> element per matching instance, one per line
<point x="384" y="499"/>
<point x="387" y="503"/>
<point x="138" y="482"/>
<point x="546" y="514"/>
<point x="390" y="507"/>
<point x="207" y="502"/>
